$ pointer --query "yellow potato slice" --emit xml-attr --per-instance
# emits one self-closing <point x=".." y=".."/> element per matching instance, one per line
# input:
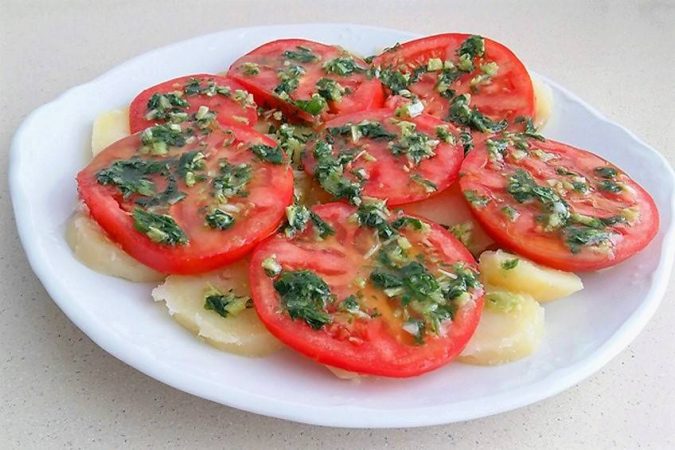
<point x="345" y="374"/>
<point x="511" y="327"/>
<point x="109" y="127"/>
<point x="543" y="99"/>
<point x="242" y="333"/>
<point x="449" y="208"/>
<point x="517" y="274"/>
<point x="96" y="251"/>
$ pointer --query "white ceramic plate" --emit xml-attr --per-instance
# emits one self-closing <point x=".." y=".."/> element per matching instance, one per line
<point x="583" y="332"/>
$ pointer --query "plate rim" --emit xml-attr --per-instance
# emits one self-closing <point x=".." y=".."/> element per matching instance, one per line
<point x="351" y="416"/>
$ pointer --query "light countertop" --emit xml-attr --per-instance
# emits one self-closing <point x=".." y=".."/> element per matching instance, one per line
<point x="58" y="389"/>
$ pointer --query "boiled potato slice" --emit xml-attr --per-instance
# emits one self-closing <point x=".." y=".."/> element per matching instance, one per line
<point x="344" y="374"/>
<point x="109" y="127"/>
<point x="517" y="274"/>
<point x="95" y="250"/>
<point x="511" y="327"/>
<point x="449" y="208"/>
<point x="543" y="98"/>
<point x="241" y="333"/>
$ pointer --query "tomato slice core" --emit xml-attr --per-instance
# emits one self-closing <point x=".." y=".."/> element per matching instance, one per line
<point x="375" y="339"/>
<point x="400" y="160"/>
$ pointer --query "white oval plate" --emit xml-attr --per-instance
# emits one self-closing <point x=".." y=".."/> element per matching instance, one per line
<point x="583" y="332"/>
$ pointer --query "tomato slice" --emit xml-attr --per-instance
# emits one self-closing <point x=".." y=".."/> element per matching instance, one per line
<point x="358" y="300"/>
<point x="179" y="99"/>
<point x="561" y="206"/>
<point x="453" y="74"/>
<point x="382" y="156"/>
<point x="181" y="201"/>
<point x="307" y="80"/>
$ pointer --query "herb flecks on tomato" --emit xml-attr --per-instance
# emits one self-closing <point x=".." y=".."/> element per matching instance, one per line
<point x="384" y="294"/>
<point x="308" y="80"/>
<point x="470" y="81"/>
<point x="188" y="198"/>
<point x="558" y="205"/>
<point x="201" y="98"/>
<point x="377" y="154"/>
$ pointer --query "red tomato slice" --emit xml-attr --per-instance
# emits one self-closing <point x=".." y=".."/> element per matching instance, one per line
<point x="560" y="206"/>
<point x="226" y="180"/>
<point x="505" y="94"/>
<point x="288" y="73"/>
<point x="361" y="328"/>
<point x="183" y="96"/>
<point x="400" y="160"/>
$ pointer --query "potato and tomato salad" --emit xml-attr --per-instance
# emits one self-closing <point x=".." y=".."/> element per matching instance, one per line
<point x="382" y="216"/>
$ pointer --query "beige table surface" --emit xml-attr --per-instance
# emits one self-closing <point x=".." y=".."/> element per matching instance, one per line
<point x="58" y="389"/>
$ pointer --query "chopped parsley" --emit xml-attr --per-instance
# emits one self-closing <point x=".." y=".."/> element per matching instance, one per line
<point x="343" y="66"/>
<point x="231" y="181"/>
<point x="160" y="228"/>
<point x="314" y="106"/>
<point x="219" y="219"/>
<point x="467" y="141"/>
<point x="189" y="164"/>
<point x="273" y="155"/>
<point x="169" y="106"/>
<point x="300" y="54"/>
<point x="299" y="216"/>
<point x="473" y="46"/>
<point x="445" y="80"/>
<point x="304" y="295"/>
<point x="157" y="140"/>
<point x="510" y="212"/>
<point x="412" y="222"/>
<point x="289" y="81"/>
<point x="331" y="90"/>
<point x="578" y="236"/>
<point x="130" y="176"/>
<point x="461" y="114"/>
<point x="250" y="69"/>
<point x="444" y="134"/>
<point x="394" y="80"/>
<point x="271" y="266"/>
<point x="609" y="186"/>
<point x="428" y="185"/>
<point x="373" y="213"/>
<point x="529" y="130"/>
<point x="350" y="304"/>
<point x="463" y="232"/>
<point x="510" y="264"/>
<point x="194" y="87"/>
<point x="170" y="195"/>
<point x="427" y="300"/>
<point x="496" y="149"/>
<point x="523" y="188"/>
<point x="479" y="201"/>
<point x="415" y="145"/>
<point x="227" y="304"/>
<point x="606" y="172"/>
<point x="367" y="128"/>
<point x="329" y="172"/>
